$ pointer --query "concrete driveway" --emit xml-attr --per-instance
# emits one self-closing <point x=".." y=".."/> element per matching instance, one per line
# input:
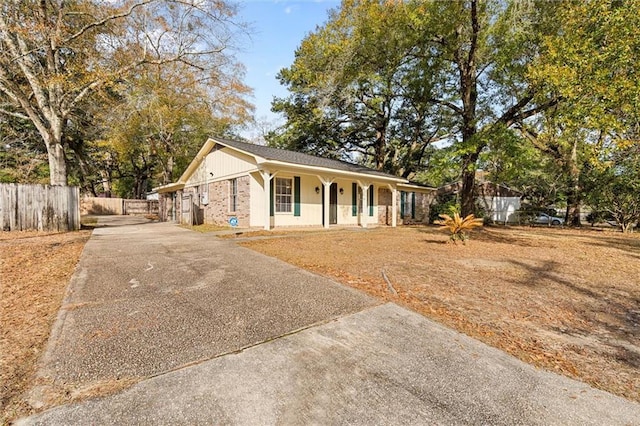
<point x="212" y="333"/>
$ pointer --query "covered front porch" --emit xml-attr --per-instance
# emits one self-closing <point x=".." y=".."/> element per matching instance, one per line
<point x="293" y="198"/>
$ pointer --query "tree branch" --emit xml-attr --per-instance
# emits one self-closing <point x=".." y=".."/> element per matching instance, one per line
<point x="14" y="114"/>
<point x="103" y="21"/>
<point x="447" y="104"/>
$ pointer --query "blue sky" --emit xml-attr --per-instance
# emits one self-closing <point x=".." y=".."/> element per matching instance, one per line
<point x="278" y="28"/>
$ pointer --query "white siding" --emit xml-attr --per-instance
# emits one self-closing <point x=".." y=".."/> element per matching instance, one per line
<point x="226" y="163"/>
<point x="345" y="208"/>
<point x="311" y="204"/>
<point x="502" y="209"/>
<point x="258" y="214"/>
<point x="222" y="164"/>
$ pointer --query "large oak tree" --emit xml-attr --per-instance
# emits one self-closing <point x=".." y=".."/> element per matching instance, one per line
<point x="55" y="54"/>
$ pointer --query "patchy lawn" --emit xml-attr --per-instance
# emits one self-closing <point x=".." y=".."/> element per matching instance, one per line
<point x="564" y="300"/>
<point x="34" y="271"/>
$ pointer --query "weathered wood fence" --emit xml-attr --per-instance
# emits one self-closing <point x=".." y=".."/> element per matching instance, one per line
<point x="118" y="206"/>
<point x="39" y="207"/>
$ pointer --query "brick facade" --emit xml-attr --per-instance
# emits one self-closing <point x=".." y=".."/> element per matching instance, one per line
<point x="384" y="206"/>
<point x="423" y="208"/>
<point x="218" y="210"/>
<point x="422" y="205"/>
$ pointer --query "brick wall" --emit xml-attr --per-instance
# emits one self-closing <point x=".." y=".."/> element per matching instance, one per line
<point x="384" y="206"/>
<point x="217" y="211"/>
<point x="423" y="203"/>
<point x="423" y="207"/>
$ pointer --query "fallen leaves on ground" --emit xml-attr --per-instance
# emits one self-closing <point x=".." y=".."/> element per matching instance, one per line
<point x="34" y="271"/>
<point x="564" y="300"/>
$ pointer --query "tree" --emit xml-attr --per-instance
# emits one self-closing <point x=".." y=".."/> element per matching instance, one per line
<point x="592" y="65"/>
<point x="355" y="93"/>
<point x="614" y="184"/>
<point x="22" y="158"/>
<point x="386" y="79"/>
<point x="158" y="128"/>
<point x="55" y="54"/>
<point x="484" y="49"/>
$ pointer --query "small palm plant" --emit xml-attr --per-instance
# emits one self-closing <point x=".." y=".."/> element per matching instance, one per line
<point x="457" y="226"/>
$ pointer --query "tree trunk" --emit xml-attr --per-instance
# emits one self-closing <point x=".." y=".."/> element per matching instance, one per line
<point x="467" y="193"/>
<point x="574" y="197"/>
<point x="57" y="164"/>
<point x="167" y="175"/>
<point x="106" y="182"/>
<point x="380" y="148"/>
<point x="469" y="95"/>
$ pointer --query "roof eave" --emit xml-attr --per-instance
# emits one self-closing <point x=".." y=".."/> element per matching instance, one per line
<point x="415" y="186"/>
<point x="191" y="168"/>
<point x="250" y="154"/>
<point x="171" y="187"/>
<point x="317" y="170"/>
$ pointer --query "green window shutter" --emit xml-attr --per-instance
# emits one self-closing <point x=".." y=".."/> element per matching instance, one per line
<point x="271" y="190"/>
<point x="371" y="200"/>
<point x="354" y="199"/>
<point x="413" y="205"/>
<point x="296" y="195"/>
<point x="402" y="195"/>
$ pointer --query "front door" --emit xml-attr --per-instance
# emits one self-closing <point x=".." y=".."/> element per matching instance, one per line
<point x="333" y="204"/>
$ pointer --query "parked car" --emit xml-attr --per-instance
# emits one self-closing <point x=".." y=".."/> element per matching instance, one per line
<point x="545" y="219"/>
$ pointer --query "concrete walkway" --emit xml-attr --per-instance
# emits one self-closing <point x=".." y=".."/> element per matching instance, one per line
<point x="217" y="334"/>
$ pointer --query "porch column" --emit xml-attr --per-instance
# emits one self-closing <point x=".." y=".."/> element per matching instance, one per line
<point x="326" y="187"/>
<point x="365" y="205"/>
<point x="394" y="205"/>
<point x="266" y="179"/>
<point x="178" y="206"/>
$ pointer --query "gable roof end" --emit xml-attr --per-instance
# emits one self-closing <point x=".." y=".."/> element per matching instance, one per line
<point x="299" y="158"/>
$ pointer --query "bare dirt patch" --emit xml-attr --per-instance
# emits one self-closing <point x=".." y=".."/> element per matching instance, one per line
<point x="563" y="300"/>
<point x="34" y="271"/>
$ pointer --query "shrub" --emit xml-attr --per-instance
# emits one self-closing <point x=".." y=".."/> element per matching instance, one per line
<point x="457" y="226"/>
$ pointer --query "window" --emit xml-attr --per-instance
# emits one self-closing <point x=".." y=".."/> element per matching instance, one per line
<point x="408" y="204"/>
<point x="204" y="194"/>
<point x="284" y="191"/>
<point x="233" y="195"/>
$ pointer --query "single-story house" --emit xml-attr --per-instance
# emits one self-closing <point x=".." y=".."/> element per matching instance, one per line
<point x="248" y="185"/>
<point x="500" y="203"/>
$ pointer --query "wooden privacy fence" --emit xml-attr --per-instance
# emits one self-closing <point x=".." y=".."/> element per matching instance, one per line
<point x="39" y="207"/>
<point x="118" y="206"/>
<point x="141" y="207"/>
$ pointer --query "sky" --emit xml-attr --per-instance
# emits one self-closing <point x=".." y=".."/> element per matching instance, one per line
<point x="278" y="28"/>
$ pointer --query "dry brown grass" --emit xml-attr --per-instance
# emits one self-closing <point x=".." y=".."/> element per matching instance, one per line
<point x="564" y="300"/>
<point x="34" y="271"/>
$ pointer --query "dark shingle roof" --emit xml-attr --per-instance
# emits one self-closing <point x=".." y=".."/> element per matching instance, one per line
<point x="300" y="158"/>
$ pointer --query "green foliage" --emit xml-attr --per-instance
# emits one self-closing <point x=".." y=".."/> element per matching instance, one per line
<point x="388" y="79"/>
<point x="58" y="58"/>
<point x="22" y="157"/>
<point x="356" y="87"/>
<point x="613" y="186"/>
<point x="443" y="204"/>
<point x="592" y="63"/>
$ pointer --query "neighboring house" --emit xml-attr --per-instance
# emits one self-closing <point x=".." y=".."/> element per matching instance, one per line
<point x="500" y="203"/>
<point x="258" y="186"/>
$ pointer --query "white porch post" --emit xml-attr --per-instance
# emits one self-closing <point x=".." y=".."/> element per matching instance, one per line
<point x="266" y="179"/>
<point x="394" y="205"/>
<point x="326" y="187"/>
<point x="365" y="205"/>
